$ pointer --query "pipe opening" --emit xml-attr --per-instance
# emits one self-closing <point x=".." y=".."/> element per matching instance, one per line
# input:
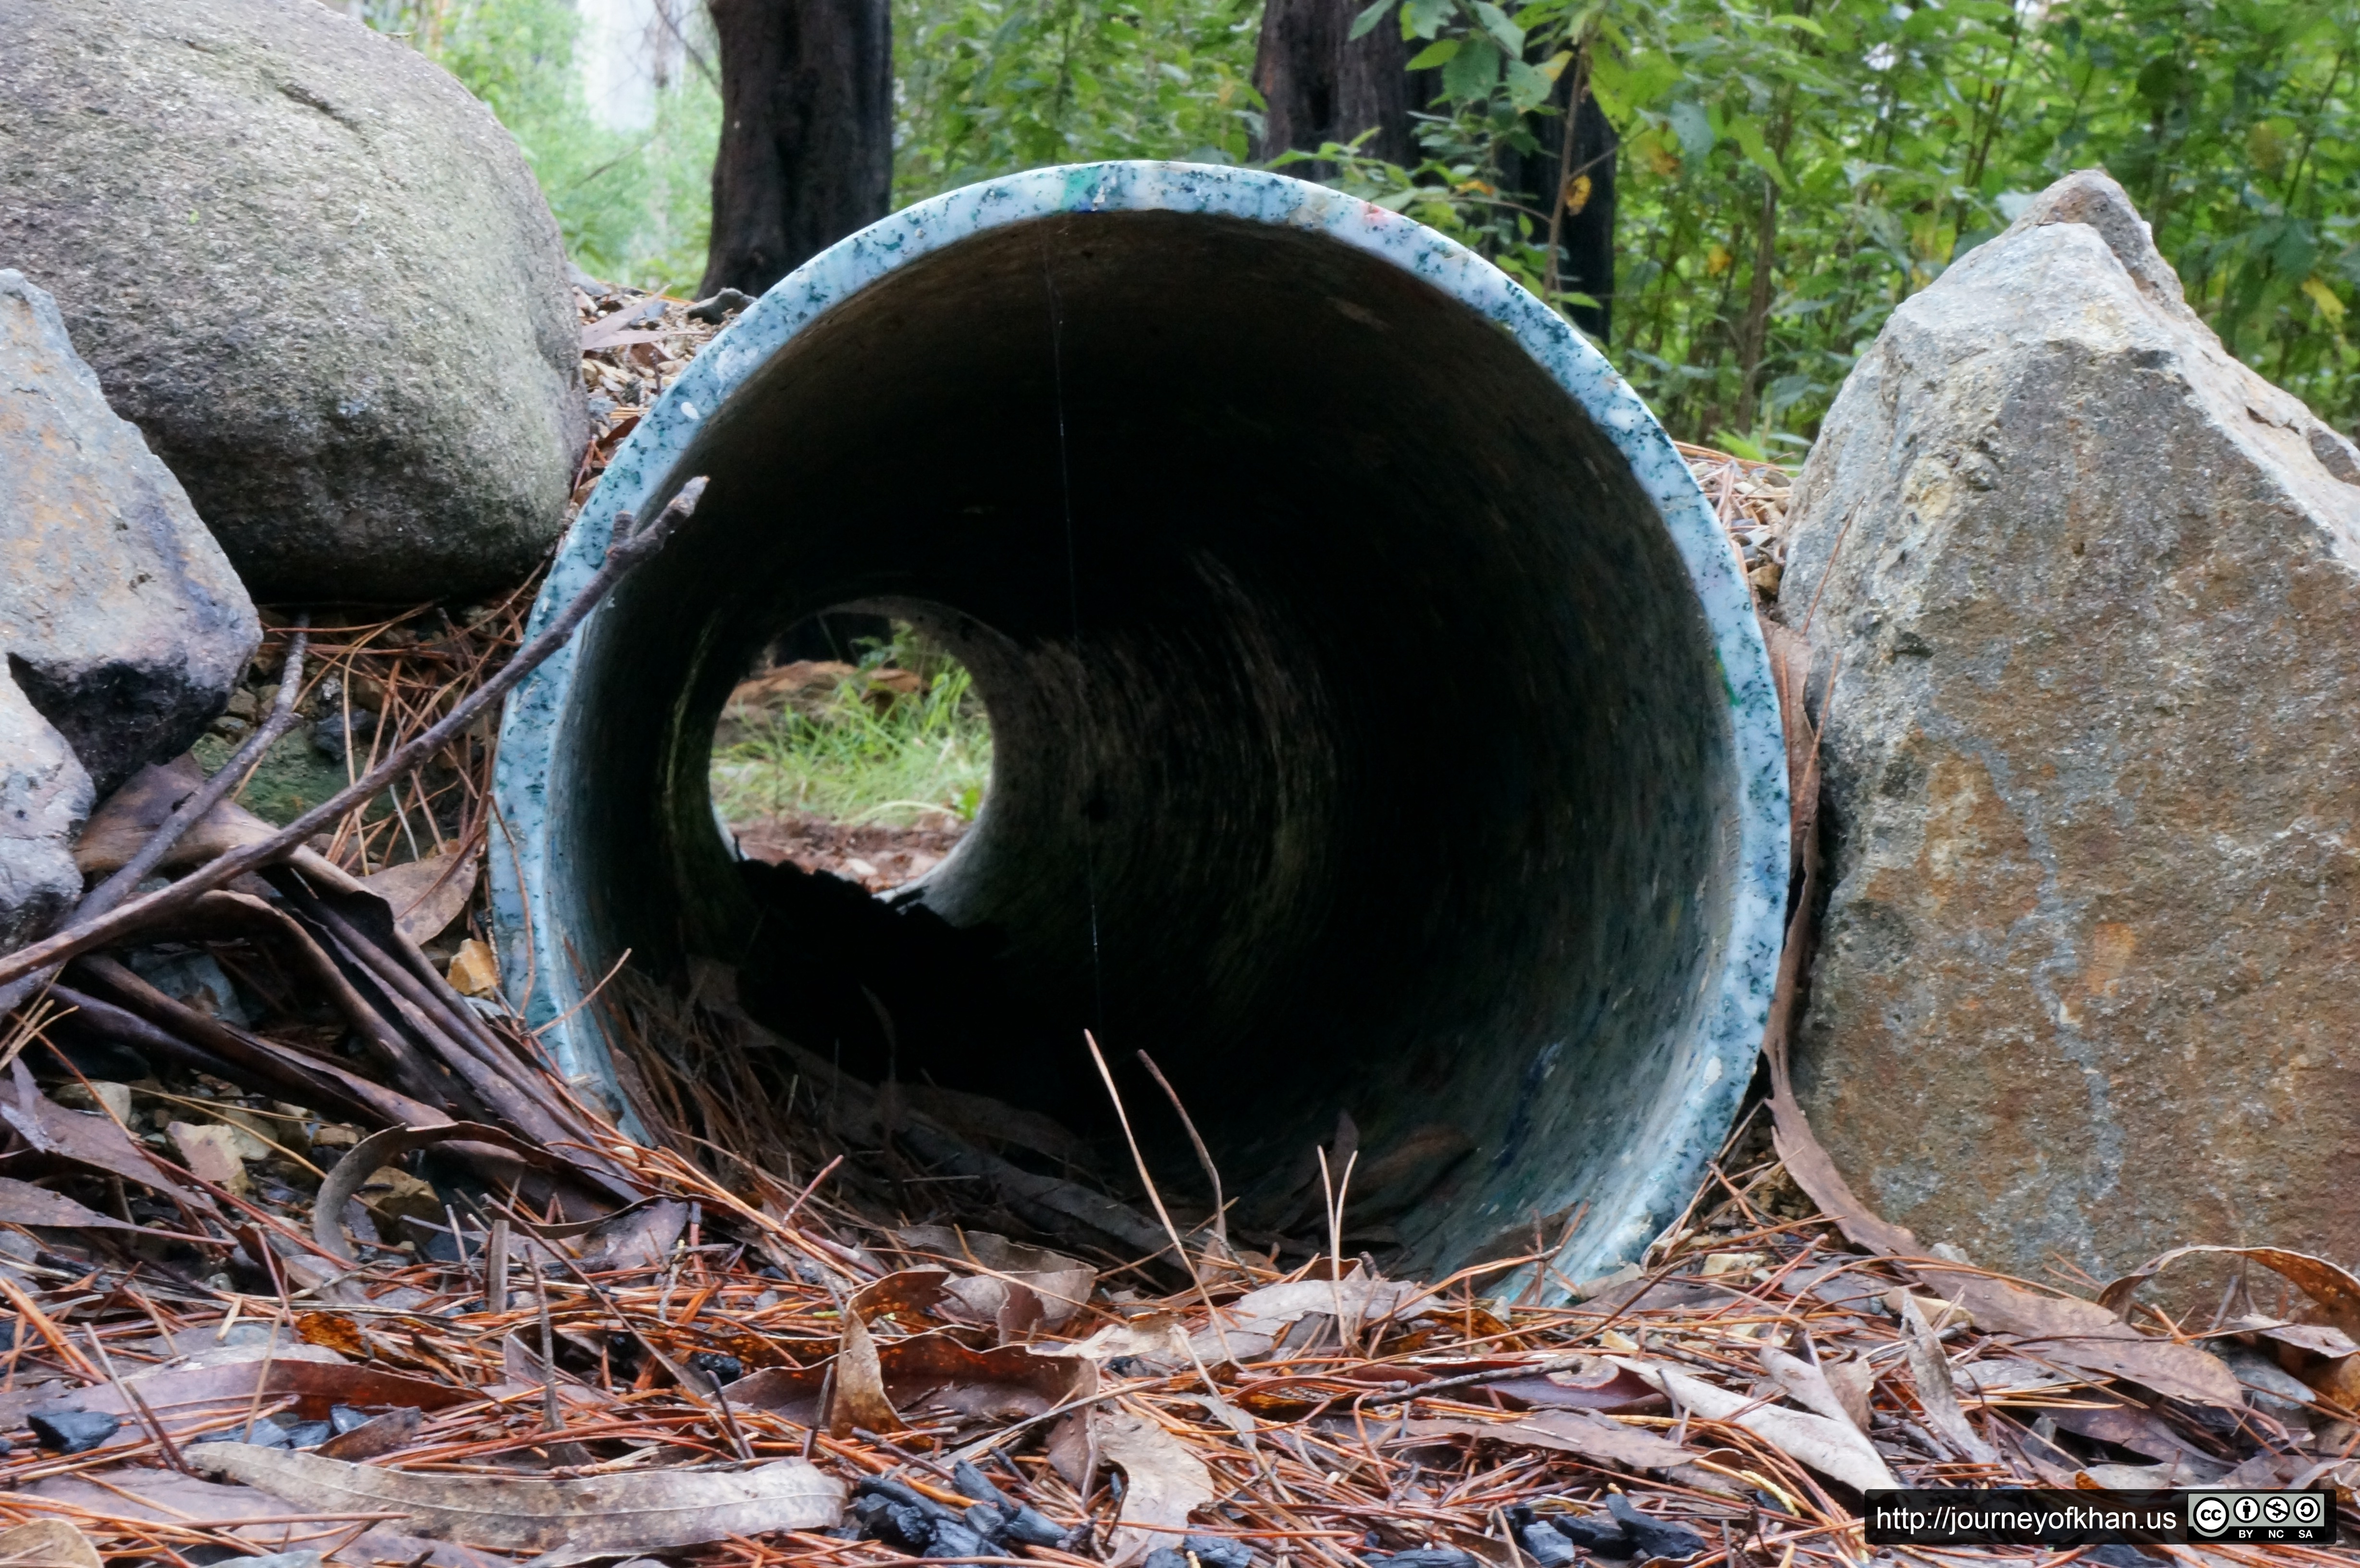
<point x="1367" y="736"/>
<point x="856" y="746"/>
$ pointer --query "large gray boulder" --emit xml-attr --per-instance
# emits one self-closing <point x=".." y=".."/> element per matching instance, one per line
<point x="315" y="270"/>
<point x="2090" y="960"/>
<point x="122" y="627"/>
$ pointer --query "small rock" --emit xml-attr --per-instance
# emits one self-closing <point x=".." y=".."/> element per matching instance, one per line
<point x="72" y="1431"/>
<point x="1544" y="1546"/>
<point x="474" y="970"/>
<point x="210" y="1150"/>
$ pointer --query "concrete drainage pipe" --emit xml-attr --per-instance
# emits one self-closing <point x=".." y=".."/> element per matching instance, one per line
<point x="1380" y="724"/>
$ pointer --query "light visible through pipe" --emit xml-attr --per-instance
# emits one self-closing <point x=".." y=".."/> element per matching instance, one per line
<point x="1380" y="721"/>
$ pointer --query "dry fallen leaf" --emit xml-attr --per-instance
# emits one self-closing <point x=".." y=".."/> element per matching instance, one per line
<point x="1834" y="1448"/>
<point x="2087" y="1337"/>
<point x="1248" y="1328"/>
<point x="633" y="1511"/>
<point x="859" y="1400"/>
<point x="1937" y="1395"/>
<point x="47" y="1543"/>
<point x="1577" y="1431"/>
<point x="21" y="1203"/>
<point x="2335" y="1290"/>
<point x="87" y="1139"/>
<point x="427" y="894"/>
<point x="1162" y="1483"/>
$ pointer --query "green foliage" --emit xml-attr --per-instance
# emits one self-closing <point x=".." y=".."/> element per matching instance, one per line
<point x="987" y="87"/>
<point x="864" y="754"/>
<point x="635" y="207"/>
<point x="1791" y="169"/>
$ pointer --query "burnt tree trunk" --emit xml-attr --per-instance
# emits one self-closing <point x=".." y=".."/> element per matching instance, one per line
<point x="1319" y="84"/>
<point x="806" y="153"/>
<point x="1580" y="175"/>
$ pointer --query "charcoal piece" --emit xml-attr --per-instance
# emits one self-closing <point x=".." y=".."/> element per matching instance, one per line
<point x="1032" y="1528"/>
<point x="971" y="1482"/>
<point x="1606" y="1537"/>
<point x="1219" y="1552"/>
<point x="308" y="1434"/>
<point x="2120" y="1557"/>
<point x="1422" y="1557"/>
<point x="989" y="1520"/>
<point x="1654" y="1537"/>
<point x="1165" y="1557"/>
<point x="720" y="1368"/>
<point x="72" y="1431"/>
<point x="906" y="1495"/>
<point x="343" y="1418"/>
<point x="1544" y="1546"/>
<point x="896" y="1523"/>
<point x="950" y="1538"/>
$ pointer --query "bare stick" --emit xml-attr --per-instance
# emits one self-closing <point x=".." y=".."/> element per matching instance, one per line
<point x="187" y="815"/>
<point x="629" y="551"/>
<point x="1204" y="1157"/>
<point x="1157" y="1199"/>
<point x="496" y="1267"/>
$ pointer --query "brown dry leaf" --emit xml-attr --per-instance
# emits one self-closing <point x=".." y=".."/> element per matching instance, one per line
<point x="21" y="1203"/>
<point x="2335" y="1290"/>
<point x="1807" y="1386"/>
<point x="121" y="827"/>
<point x="859" y="1400"/>
<point x="1162" y="1483"/>
<point x="47" y="1543"/>
<point x="634" y="1511"/>
<point x="2087" y="1337"/>
<point x="1063" y="1284"/>
<point x="1833" y="1448"/>
<point x="908" y="1295"/>
<point x="382" y="1434"/>
<point x="426" y="895"/>
<point x="642" y="1236"/>
<point x="364" y="1158"/>
<point x="1152" y="1336"/>
<point x="1571" y="1432"/>
<point x="1248" y="1328"/>
<point x="87" y="1139"/>
<point x="1937" y="1394"/>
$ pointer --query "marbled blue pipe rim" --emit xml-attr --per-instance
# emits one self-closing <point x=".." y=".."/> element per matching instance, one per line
<point x="1663" y="1160"/>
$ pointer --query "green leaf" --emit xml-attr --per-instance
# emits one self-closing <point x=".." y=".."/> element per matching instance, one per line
<point x="1423" y="18"/>
<point x="1528" y="86"/>
<point x="1366" y="22"/>
<point x="1435" y="53"/>
<point x="1747" y="131"/>
<point x="1805" y="24"/>
<point x="1495" y="22"/>
<point x="1693" y="126"/>
<point x="1472" y="71"/>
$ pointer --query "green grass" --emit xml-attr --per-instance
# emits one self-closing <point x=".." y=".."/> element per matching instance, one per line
<point x="860" y="754"/>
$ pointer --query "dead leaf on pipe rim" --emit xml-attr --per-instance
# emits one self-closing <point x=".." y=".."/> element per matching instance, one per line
<point x="586" y="1515"/>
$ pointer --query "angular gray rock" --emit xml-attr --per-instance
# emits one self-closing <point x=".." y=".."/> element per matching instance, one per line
<point x="123" y="625"/>
<point x="2086" y="987"/>
<point x="315" y="270"/>
<point x="44" y="796"/>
